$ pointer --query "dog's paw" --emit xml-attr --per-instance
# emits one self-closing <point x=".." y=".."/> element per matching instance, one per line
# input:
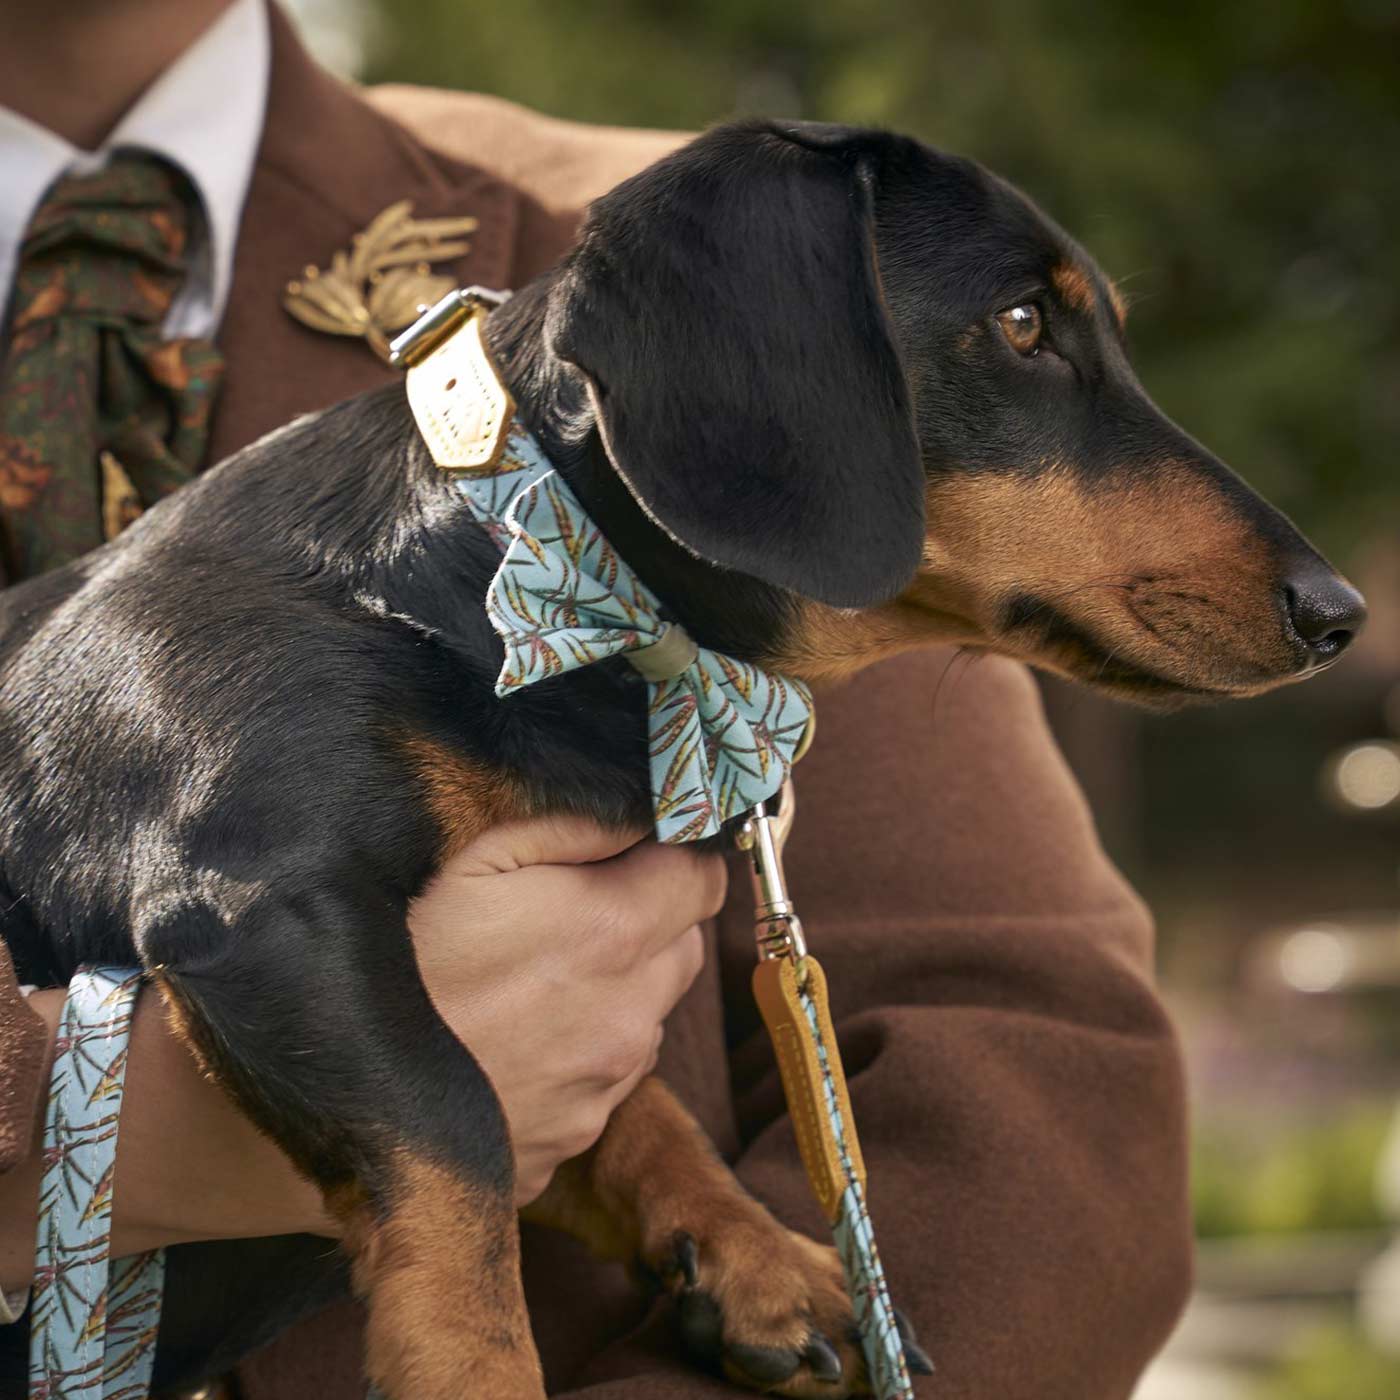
<point x="768" y="1308"/>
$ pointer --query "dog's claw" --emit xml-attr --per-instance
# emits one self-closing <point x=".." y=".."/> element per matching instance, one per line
<point x="688" y="1258"/>
<point x="919" y="1361"/>
<point x="822" y="1358"/>
<point x="766" y="1365"/>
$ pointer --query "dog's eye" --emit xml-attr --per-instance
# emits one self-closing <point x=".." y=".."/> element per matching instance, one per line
<point x="1021" y="326"/>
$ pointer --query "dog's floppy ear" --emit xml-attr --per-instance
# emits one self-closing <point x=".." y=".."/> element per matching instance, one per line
<point x="725" y="308"/>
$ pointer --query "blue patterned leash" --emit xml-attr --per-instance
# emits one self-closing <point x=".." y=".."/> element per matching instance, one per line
<point x="93" y="1321"/>
<point x="724" y="735"/>
<point x="790" y="988"/>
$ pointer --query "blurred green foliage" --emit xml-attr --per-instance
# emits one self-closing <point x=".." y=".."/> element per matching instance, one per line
<point x="1315" y="1177"/>
<point x="1233" y="165"/>
<point x="1336" y="1362"/>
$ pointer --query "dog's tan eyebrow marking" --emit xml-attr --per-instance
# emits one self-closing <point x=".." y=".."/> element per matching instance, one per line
<point x="1074" y="285"/>
<point x="1119" y="303"/>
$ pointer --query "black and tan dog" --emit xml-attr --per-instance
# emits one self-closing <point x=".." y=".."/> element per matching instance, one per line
<point x="832" y="394"/>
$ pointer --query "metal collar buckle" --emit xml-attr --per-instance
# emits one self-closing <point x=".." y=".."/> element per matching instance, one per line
<point x="761" y="833"/>
<point x="440" y="321"/>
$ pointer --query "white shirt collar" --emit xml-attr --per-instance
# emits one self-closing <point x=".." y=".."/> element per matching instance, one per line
<point x="204" y="114"/>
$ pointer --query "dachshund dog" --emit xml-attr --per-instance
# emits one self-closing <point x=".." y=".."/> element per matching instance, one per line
<point x="832" y="394"/>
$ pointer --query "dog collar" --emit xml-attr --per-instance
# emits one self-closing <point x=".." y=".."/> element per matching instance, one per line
<point x="723" y="733"/>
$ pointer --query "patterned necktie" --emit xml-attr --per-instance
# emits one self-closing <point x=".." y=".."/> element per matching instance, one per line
<point x="100" y="416"/>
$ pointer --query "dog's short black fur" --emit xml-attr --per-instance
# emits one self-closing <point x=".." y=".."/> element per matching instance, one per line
<point x="782" y="373"/>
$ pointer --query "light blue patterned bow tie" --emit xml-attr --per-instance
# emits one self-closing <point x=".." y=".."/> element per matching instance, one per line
<point x="723" y="734"/>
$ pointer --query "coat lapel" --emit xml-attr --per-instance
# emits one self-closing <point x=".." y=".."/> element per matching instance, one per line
<point x="327" y="164"/>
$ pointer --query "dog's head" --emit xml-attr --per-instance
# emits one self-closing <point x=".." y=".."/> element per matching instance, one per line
<point x="878" y="379"/>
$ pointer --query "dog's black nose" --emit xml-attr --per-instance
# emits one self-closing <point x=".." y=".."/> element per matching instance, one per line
<point x="1325" y="611"/>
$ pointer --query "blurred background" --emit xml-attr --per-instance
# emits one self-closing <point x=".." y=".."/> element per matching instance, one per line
<point x="1235" y="166"/>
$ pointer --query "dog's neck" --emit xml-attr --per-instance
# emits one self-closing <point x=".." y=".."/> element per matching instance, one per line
<point x="731" y="612"/>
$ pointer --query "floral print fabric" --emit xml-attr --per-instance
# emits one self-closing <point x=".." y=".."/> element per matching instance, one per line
<point x="93" y="1321"/>
<point x="722" y="734"/>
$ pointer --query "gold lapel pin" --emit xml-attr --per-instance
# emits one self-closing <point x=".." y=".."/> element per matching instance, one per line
<point x="386" y="279"/>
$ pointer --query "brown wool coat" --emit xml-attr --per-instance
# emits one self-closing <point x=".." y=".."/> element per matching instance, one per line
<point x="1016" y="1082"/>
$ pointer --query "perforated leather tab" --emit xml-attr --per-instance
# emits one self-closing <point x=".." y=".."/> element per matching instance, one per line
<point x="462" y="408"/>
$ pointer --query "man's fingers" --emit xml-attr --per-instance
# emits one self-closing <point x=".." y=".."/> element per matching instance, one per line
<point x="639" y="1001"/>
<point x="677" y="966"/>
<point x="656" y="893"/>
<point x="558" y="840"/>
<point x="623" y="1089"/>
<point x="667" y="980"/>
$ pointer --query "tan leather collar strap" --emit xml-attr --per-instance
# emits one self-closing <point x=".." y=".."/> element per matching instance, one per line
<point x="463" y="409"/>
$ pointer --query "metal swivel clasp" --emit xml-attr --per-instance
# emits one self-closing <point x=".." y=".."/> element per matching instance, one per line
<point x="761" y="833"/>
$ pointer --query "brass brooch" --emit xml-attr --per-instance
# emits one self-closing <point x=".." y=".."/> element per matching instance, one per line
<point x="384" y="281"/>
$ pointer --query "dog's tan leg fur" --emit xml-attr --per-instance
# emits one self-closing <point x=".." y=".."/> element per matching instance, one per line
<point x="440" y="1272"/>
<point x="652" y="1181"/>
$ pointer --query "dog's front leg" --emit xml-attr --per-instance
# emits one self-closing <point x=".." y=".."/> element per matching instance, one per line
<point x="309" y="1010"/>
<point x="762" y="1302"/>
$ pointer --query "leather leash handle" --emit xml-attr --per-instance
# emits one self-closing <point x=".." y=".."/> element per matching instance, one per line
<point x="780" y="999"/>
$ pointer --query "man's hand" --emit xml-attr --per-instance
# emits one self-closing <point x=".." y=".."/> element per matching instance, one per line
<point x="552" y="948"/>
<point x="555" y="950"/>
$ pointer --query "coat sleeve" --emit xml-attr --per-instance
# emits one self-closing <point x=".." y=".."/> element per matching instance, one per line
<point x="556" y="166"/>
<point x="1016" y="1083"/>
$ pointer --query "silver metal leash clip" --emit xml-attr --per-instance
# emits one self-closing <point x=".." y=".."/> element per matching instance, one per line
<point x="761" y="833"/>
